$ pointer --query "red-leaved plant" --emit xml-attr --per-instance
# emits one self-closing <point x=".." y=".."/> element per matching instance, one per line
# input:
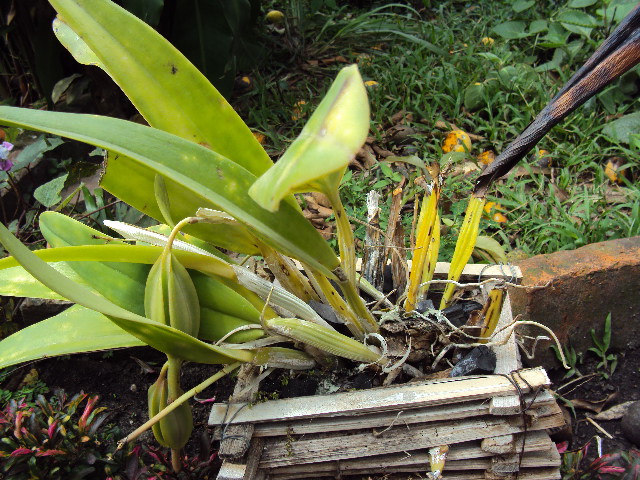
<point x="55" y="439"/>
<point x="619" y="465"/>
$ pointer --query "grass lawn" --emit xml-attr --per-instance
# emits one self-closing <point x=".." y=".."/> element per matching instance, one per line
<point x="487" y="68"/>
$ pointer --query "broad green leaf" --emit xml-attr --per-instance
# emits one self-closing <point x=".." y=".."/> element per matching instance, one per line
<point x="578" y="22"/>
<point x="538" y="26"/>
<point x="125" y="253"/>
<point x="76" y="46"/>
<point x="48" y="194"/>
<point x="556" y="37"/>
<point x="33" y="152"/>
<point x="581" y="3"/>
<point x="324" y="148"/>
<point x="169" y="92"/>
<point x="75" y="330"/>
<point x="121" y="283"/>
<point x="616" y="10"/>
<point x="17" y="282"/>
<point x="161" y="337"/>
<point x="196" y="168"/>
<point x="522" y="5"/>
<point x="578" y="18"/>
<point x="222" y="309"/>
<point x="623" y="128"/>
<point x="122" y="173"/>
<point x="511" y="30"/>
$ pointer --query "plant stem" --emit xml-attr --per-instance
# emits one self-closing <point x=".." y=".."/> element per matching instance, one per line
<point x="176" y="464"/>
<point x="346" y="242"/>
<point x="355" y="301"/>
<point x="173" y="405"/>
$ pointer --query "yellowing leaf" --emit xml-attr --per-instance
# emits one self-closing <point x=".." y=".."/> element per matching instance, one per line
<point x="316" y="160"/>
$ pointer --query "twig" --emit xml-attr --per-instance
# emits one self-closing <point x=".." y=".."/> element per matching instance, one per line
<point x="595" y="424"/>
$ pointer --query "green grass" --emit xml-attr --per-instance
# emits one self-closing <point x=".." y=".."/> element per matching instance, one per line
<point x="432" y="87"/>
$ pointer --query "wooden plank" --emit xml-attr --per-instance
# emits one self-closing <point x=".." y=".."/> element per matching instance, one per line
<point x="507" y="360"/>
<point x="470" y="273"/>
<point x="499" y="445"/>
<point x="451" y="472"/>
<point x="416" y="460"/>
<point x="505" y="464"/>
<point x="418" y="394"/>
<point x="231" y="471"/>
<point x="235" y="438"/>
<point x="253" y="458"/>
<point x="385" y="419"/>
<point x="281" y="451"/>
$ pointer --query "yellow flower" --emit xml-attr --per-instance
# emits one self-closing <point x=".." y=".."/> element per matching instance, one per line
<point x="488" y="41"/>
<point x="371" y="83"/>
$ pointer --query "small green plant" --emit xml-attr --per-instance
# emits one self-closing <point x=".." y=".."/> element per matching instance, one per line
<point x="53" y="439"/>
<point x="608" y="361"/>
<point x="30" y="388"/>
<point x="572" y="357"/>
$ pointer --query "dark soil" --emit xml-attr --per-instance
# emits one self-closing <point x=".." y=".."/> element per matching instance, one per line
<point x="622" y="386"/>
<point x="122" y="384"/>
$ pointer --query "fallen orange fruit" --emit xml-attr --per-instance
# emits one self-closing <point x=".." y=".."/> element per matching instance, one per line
<point x="456" y="141"/>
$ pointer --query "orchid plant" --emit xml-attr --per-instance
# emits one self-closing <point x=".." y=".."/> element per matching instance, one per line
<point x="199" y="171"/>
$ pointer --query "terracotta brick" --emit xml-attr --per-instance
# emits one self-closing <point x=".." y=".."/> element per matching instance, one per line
<point x="584" y="286"/>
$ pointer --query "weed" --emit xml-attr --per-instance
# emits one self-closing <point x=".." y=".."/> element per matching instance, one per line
<point x="572" y="358"/>
<point x="608" y="361"/>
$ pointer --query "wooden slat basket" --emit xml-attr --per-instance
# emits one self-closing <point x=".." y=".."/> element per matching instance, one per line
<point x="495" y="427"/>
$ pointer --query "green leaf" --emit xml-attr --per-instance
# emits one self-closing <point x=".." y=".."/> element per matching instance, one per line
<point x="75" y="330"/>
<point x="33" y="152"/>
<point x="197" y="169"/>
<point x="122" y="283"/>
<point x="123" y="172"/>
<point x="578" y="22"/>
<point x="168" y="91"/>
<point x="581" y="3"/>
<point x="125" y="253"/>
<point x="316" y="160"/>
<point x="48" y="194"/>
<point x="556" y="36"/>
<point x="17" y="282"/>
<point x="538" y="26"/>
<point x="578" y="18"/>
<point x="616" y="10"/>
<point x="522" y="5"/>
<point x="623" y="128"/>
<point x="511" y="30"/>
<point x="161" y="337"/>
